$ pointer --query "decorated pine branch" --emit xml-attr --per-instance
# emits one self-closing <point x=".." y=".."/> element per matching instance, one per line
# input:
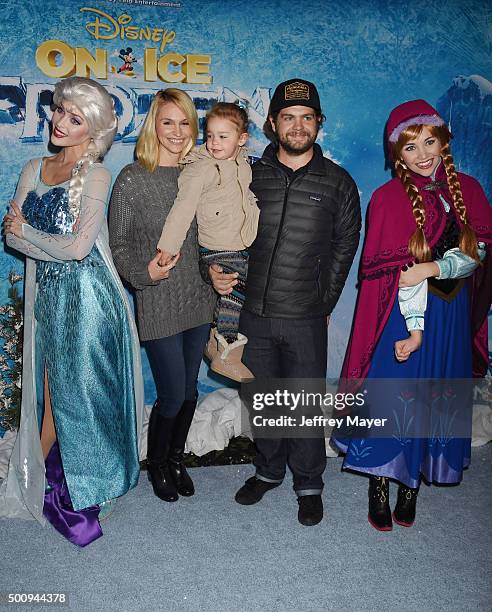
<point x="11" y="356"/>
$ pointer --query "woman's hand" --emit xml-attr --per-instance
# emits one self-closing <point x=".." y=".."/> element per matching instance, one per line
<point x="13" y="220"/>
<point x="222" y="282"/>
<point x="158" y="272"/>
<point x="417" y="273"/>
<point x="404" y="348"/>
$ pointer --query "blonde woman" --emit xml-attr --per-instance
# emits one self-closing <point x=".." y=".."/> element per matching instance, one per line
<point x="174" y="305"/>
<point x="82" y="386"/>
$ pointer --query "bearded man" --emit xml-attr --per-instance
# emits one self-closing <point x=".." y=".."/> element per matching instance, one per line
<point x="307" y="237"/>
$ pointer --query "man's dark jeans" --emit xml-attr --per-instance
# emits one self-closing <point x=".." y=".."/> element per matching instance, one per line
<point x="287" y="348"/>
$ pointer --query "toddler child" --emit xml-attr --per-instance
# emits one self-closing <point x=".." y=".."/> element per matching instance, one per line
<point x="214" y="188"/>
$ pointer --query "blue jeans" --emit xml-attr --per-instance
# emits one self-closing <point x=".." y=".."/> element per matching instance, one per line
<point x="175" y="362"/>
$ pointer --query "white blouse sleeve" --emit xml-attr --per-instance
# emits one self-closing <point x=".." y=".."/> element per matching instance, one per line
<point x="78" y="244"/>
<point x="413" y="304"/>
<point x="456" y="264"/>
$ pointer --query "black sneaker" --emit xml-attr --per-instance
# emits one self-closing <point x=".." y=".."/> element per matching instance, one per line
<point x="253" y="490"/>
<point x="310" y="510"/>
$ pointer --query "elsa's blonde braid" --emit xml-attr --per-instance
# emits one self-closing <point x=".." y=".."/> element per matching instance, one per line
<point x="79" y="172"/>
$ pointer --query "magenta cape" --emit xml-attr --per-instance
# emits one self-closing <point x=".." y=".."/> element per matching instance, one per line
<point x="390" y="223"/>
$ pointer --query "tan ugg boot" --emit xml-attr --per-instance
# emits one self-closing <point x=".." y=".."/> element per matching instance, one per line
<point x="211" y="348"/>
<point x="227" y="361"/>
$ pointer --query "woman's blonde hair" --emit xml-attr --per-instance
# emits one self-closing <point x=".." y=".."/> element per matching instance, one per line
<point x="417" y="245"/>
<point x="147" y="149"/>
<point x="97" y="108"/>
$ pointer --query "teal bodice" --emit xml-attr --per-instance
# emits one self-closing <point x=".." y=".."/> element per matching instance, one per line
<point x="50" y="213"/>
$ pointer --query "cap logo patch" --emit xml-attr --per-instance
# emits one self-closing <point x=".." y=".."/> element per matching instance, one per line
<point x="297" y="91"/>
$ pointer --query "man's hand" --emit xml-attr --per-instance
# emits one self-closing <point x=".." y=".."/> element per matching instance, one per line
<point x="404" y="348"/>
<point x="222" y="282"/>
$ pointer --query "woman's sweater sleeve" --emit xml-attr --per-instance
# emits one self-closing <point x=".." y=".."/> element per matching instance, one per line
<point x="122" y="238"/>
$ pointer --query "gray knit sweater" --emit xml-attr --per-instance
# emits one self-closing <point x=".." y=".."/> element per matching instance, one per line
<point x="140" y="203"/>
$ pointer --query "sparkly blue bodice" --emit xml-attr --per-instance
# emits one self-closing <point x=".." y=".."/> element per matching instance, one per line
<point x="50" y="213"/>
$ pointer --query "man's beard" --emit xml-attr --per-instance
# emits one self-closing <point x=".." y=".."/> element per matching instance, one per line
<point x="300" y="147"/>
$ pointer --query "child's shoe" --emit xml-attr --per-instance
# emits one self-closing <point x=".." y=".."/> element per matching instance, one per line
<point x="227" y="361"/>
<point x="211" y="348"/>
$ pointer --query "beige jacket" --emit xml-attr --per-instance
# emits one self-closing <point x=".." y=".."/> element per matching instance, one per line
<point x="217" y="192"/>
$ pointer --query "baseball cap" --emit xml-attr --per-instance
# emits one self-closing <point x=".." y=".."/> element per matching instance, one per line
<point x="295" y="92"/>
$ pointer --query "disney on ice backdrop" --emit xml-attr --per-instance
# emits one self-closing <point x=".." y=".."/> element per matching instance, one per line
<point x="365" y="56"/>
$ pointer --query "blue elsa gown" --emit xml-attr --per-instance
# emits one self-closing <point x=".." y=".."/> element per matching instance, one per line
<point x="83" y="341"/>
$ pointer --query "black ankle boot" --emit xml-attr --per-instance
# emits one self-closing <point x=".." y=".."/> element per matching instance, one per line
<point x="379" y="510"/>
<point x="159" y="435"/>
<point x="179" y="474"/>
<point x="177" y="468"/>
<point x="405" y="509"/>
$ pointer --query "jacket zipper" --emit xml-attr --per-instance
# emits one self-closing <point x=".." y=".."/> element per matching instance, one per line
<point x="240" y="186"/>
<point x="270" y="267"/>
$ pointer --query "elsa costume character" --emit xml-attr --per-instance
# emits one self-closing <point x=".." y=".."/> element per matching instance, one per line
<point x="79" y="336"/>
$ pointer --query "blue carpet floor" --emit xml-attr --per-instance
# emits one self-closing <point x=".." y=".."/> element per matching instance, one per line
<point x="207" y="553"/>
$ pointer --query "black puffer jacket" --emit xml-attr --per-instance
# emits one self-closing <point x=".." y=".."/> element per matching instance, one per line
<point x="307" y="237"/>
